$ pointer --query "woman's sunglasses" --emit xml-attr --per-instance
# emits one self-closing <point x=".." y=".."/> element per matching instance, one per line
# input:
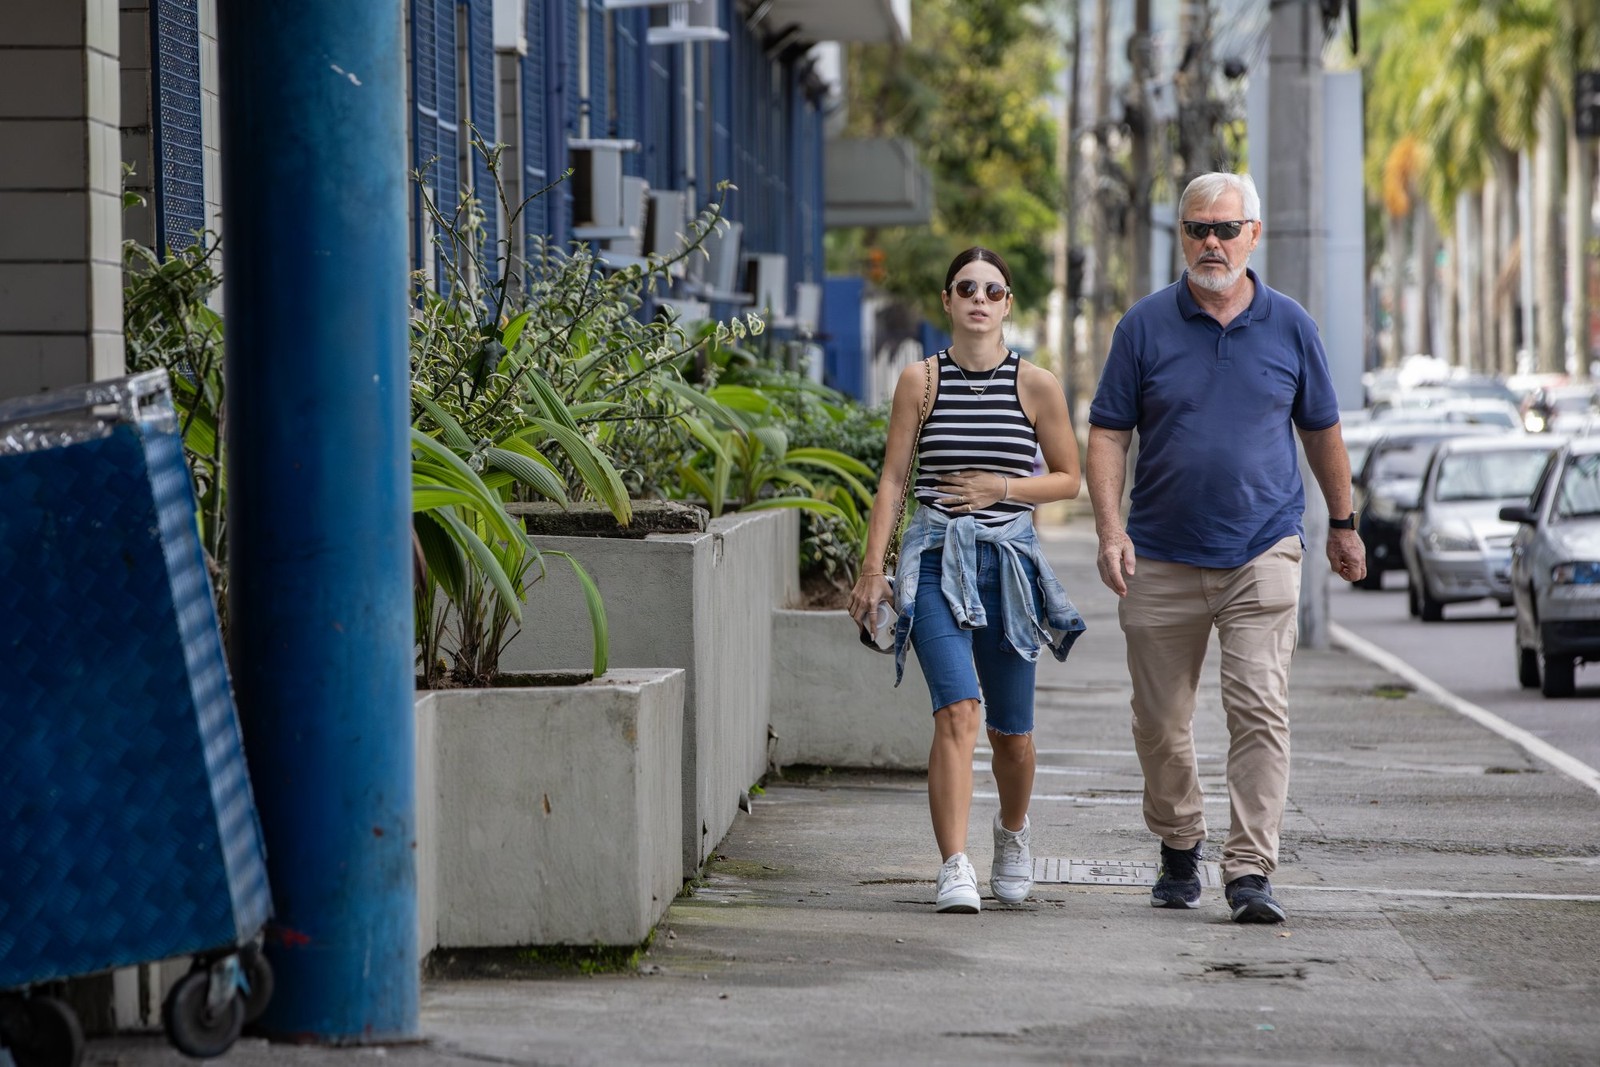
<point x="994" y="292"/>
<point x="1225" y="231"/>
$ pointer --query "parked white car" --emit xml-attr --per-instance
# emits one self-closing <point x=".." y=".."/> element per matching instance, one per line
<point x="1455" y="545"/>
<point x="1555" y="570"/>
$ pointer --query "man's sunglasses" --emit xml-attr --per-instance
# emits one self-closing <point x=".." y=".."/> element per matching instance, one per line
<point x="1225" y="231"/>
<point x="994" y="292"/>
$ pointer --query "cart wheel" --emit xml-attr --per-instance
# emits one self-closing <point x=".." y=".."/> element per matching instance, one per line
<point x="258" y="976"/>
<point x="51" y="1038"/>
<point x="192" y="1026"/>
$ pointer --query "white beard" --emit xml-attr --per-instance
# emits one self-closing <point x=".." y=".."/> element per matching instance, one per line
<point x="1216" y="283"/>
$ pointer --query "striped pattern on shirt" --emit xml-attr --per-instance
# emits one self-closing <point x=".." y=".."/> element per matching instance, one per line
<point x="969" y="430"/>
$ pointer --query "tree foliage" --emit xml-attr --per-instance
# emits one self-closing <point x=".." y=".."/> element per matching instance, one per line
<point x="971" y="91"/>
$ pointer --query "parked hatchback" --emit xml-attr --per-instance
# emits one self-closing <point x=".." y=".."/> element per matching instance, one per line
<point x="1387" y="488"/>
<point x="1555" y="570"/>
<point x="1456" y="546"/>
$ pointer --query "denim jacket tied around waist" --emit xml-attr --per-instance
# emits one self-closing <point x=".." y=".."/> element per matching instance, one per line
<point x="959" y="537"/>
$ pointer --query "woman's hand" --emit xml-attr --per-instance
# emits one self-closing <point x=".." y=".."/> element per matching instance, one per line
<point x="972" y="490"/>
<point x="871" y="589"/>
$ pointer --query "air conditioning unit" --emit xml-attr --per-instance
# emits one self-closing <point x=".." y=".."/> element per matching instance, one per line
<point x="599" y="206"/>
<point x="688" y="21"/>
<point x="766" y="279"/>
<point x="635" y="201"/>
<point x="807" y="308"/>
<point x="666" y="220"/>
<point x="715" y="276"/>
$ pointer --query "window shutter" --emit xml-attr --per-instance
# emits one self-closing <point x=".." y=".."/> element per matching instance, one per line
<point x="175" y="123"/>
<point x="535" y="125"/>
<point x="436" y="116"/>
<point x="664" y="146"/>
<point x="600" y="117"/>
<point x="630" y="62"/>
<point x="480" y="47"/>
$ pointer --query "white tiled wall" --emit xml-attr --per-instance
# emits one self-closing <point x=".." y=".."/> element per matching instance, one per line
<point x="60" y="186"/>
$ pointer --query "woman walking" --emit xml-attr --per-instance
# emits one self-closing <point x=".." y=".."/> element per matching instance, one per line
<point x="973" y="592"/>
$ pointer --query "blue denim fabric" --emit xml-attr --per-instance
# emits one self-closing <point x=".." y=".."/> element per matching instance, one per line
<point x="958" y="538"/>
<point x="967" y="664"/>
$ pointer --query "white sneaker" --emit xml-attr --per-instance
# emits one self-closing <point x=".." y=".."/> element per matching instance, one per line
<point x="958" y="886"/>
<point x="1011" y="874"/>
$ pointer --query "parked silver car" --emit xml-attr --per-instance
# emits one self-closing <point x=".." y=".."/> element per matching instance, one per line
<point x="1455" y="545"/>
<point x="1555" y="570"/>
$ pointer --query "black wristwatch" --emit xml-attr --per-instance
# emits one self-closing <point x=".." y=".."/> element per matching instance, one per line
<point x="1342" y="524"/>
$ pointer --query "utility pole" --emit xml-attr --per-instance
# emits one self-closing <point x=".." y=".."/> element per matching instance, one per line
<point x="1077" y="376"/>
<point x="1293" y="228"/>
<point x="1100" y="290"/>
<point x="1294" y="233"/>
<point x="1143" y="131"/>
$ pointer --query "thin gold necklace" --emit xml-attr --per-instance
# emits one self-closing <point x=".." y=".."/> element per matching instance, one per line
<point x="988" y="379"/>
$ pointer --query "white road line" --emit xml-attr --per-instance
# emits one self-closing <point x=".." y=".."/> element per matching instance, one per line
<point x="1447" y="894"/>
<point x="1076" y="798"/>
<point x="1540" y="749"/>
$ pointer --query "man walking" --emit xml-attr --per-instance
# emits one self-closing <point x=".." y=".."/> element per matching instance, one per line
<point x="1215" y="372"/>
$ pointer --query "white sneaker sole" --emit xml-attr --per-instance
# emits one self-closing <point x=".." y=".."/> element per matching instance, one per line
<point x="1009" y="897"/>
<point x="959" y="905"/>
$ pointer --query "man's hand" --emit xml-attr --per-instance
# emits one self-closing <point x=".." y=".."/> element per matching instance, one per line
<point x="1115" y="561"/>
<point x="1346" y="555"/>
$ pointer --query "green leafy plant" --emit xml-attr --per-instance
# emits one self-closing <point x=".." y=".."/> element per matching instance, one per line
<point x="749" y="462"/>
<point x="533" y="375"/>
<point x="168" y="323"/>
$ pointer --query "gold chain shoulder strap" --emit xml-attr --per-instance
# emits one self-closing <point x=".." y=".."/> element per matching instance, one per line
<point x="891" y="552"/>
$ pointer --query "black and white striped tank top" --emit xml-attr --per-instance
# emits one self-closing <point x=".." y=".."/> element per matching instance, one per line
<point x="976" y="424"/>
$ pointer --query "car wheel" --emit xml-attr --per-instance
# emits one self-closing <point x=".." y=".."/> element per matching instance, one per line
<point x="1430" y="609"/>
<point x="1527" y="664"/>
<point x="1558" y="676"/>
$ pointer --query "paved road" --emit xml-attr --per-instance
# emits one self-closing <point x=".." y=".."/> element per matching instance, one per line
<point x="1440" y="883"/>
<point x="1469" y="654"/>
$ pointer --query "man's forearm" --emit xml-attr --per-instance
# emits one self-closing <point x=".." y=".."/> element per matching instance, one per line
<point x="1106" y="474"/>
<point x="1330" y="465"/>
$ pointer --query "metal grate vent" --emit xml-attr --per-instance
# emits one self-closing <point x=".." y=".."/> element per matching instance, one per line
<point x="1111" y="872"/>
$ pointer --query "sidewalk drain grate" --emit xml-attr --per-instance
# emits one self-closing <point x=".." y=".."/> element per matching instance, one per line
<point x="1048" y="869"/>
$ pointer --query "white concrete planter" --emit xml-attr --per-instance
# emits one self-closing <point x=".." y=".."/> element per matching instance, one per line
<point x="702" y="602"/>
<point x="550" y="814"/>
<point x="835" y="704"/>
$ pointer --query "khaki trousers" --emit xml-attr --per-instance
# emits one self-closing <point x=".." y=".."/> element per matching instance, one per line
<point x="1168" y="616"/>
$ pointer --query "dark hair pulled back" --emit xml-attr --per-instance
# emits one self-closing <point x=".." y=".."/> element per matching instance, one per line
<point x="976" y="252"/>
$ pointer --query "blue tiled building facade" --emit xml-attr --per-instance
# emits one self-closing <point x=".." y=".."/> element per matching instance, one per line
<point x="671" y="98"/>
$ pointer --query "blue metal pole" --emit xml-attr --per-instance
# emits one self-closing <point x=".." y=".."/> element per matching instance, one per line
<point x="313" y="180"/>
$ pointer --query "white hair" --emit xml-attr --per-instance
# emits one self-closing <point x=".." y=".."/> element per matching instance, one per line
<point x="1205" y="190"/>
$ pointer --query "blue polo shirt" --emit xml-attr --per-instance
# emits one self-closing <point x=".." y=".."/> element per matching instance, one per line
<point x="1217" y="480"/>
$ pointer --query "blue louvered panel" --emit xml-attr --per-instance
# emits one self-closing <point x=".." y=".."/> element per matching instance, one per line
<point x="564" y="39"/>
<point x="175" y="122"/>
<point x="716" y="162"/>
<point x="535" y="219"/>
<point x="574" y="92"/>
<point x="805" y="175"/>
<point x="629" y="50"/>
<point x="745" y="91"/>
<point x="602" y="122"/>
<point x="436" y="117"/>
<point x="664" y="148"/>
<point x="480" y="49"/>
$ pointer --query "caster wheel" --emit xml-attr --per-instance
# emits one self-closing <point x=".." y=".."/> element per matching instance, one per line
<point x="258" y="980"/>
<point x="193" y="1027"/>
<point x="49" y="1035"/>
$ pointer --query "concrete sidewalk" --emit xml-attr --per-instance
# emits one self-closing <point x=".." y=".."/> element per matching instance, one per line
<point x="1440" y="884"/>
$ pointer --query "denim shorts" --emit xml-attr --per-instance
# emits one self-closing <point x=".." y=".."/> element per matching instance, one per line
<point x="974" y="664"/>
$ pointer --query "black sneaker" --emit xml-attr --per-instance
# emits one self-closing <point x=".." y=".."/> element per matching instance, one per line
<point x="1250" y="897"/>
<point x="1178" y="884"/>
